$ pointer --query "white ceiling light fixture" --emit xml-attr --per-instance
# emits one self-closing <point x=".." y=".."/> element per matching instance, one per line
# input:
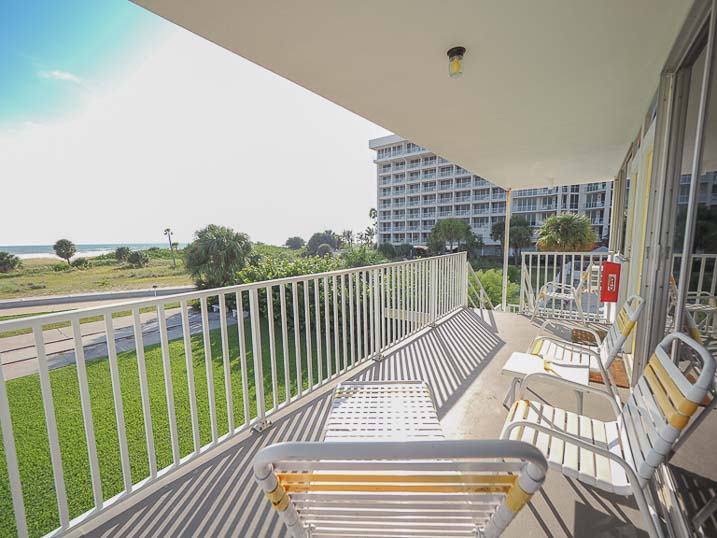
<point x="455" y="61"/>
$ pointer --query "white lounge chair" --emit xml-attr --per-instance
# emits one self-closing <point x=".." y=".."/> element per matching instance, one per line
<point x="619" y="455"/>
<point x="562" y="358"/>
<point x="366" y="478"/>
<point x="566" y="292"/>
<point x="383" y="411"/>
<point x="419" y="488"/>
<point x="698" y="305"/>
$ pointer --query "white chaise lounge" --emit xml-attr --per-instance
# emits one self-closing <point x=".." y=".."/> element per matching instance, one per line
<point x="619" y="455"/>
<point x="387" y="466"/>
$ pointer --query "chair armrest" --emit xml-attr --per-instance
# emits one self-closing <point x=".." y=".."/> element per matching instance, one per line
<point x="554" y="380"/>
<point x="565" y="288"/>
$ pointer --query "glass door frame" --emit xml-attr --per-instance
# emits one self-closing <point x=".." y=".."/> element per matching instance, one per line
<point x="697" y="32"/>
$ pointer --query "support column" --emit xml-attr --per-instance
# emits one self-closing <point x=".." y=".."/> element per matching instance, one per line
<point x="506" y="248"/>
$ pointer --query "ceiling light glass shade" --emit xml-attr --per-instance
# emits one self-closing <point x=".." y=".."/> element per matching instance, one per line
<point x="455" y="61"/>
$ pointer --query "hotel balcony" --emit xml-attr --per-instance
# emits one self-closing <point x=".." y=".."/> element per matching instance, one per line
<point x="148" y="424"/>
<point x="193" y="476"/>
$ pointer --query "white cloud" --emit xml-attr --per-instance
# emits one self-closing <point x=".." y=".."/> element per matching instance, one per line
<point x="56" y="74"/>
<point x="195" y="135"/>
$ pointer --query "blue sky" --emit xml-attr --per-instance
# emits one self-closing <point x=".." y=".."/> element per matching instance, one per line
<point x="115" y="124"/>
<point x="50" y="48"/>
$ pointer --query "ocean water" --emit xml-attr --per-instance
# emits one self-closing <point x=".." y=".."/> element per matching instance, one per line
<point x="26" y="252"/>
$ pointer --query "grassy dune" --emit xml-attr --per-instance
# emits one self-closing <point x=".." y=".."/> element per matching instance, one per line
<point x="38" y="277"/>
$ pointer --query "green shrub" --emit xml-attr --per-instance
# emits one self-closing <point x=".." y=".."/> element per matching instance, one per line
<point x="320" y="238"/>
<point x="122" y="253"/>
<point x="60" y="267"/>
<point x="295" y="243"/>
<point x="9" y="262"/>
<point x="81" y="263"/>
<point x="404" y="251"/>
<point x="361" y="256"/>
<point x="274" y="268"/>
<point x="138" y="258"/>
<point x="324" y="250"/>
<point x="387" y="250"/>
<point x="492" y="280"/>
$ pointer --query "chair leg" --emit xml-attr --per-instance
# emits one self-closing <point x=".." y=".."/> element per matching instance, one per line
<point x="580" y="396"/>
<point x="510" y="395"/>
<point x="579" y="305"/>
<point x="652" y="529"/>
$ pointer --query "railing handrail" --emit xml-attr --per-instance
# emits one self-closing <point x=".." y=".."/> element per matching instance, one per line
<point x="81" y="313"/>
<point x="558" y="253"/>
<point x="364" y="312"/>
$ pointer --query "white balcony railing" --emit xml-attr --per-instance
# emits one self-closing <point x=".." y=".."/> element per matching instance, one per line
<point x="563" y="269"/>
<point x="290" y="337"/>
<point x="703" y="275"/>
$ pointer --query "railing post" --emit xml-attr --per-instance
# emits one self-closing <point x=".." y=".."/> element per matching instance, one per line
<point x="464" y="279"/>
<point x="261" y="422"/>
<point x="434" y="290"/>
<point x="13" y="470"/>
<point x="522" y="283"/>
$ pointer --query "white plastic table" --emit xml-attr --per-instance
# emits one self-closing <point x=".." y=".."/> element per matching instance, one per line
<point x="520" y="365"/>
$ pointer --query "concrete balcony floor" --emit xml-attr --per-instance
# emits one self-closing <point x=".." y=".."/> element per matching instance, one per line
<point x="216" y="495"/>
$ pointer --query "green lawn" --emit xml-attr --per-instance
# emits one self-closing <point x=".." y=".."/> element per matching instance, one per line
<point x="31" y="434"/>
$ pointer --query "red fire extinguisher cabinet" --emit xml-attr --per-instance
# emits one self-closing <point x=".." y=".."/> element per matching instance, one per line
<point x="610" y="285"/>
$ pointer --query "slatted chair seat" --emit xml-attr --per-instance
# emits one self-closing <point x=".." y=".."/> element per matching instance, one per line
<point x="566" y="352"/>
<point x="383" y="410"/>
<point x="619" y="456"/>
<point x="599" y="358"/>
<point x="566" y="457"/>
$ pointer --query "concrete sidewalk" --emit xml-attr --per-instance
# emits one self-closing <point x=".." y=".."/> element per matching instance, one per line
<point x="19" y="357"/>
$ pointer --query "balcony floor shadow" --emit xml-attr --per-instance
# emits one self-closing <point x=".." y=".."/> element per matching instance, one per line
<point x="461" y="358"/>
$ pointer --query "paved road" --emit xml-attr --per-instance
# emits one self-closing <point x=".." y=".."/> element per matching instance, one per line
<point x="19" y="357"/>
<point x="114" y="295"/>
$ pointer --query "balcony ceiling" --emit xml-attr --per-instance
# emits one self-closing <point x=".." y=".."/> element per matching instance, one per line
<point x="552" y="92"/>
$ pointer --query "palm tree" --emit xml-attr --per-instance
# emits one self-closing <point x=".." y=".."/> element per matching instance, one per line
<point x="566" y="232"/>
<point x="168" y="233"/>
<point x="373" y="215"/>
<point x="348" y="237"/>
<point x="369" y="234"/>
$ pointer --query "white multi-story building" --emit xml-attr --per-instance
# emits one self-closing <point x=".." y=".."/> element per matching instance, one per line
<point x="415" y="188"/>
